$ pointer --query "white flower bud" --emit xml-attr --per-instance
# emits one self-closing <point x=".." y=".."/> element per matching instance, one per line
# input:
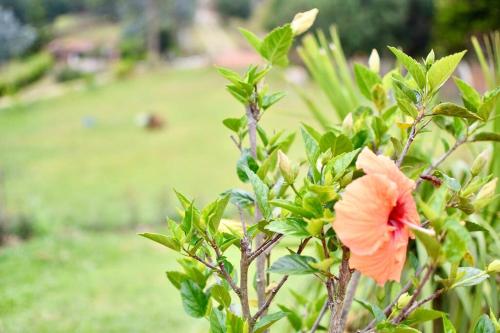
<point x="303" y="21"/>
<point x="374" y="61"/>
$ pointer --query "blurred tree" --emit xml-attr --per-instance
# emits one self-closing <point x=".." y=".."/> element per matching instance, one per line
<point x="457" y="20"/>
<point x="234" y="8"/>
<point x="141" y="34"/>
<point x="15" y="37"/>
<point x="363" y="24"/>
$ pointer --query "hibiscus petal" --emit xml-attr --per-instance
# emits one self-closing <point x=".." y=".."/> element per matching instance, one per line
<point x="363" y="212"/>
<point x="386" y="263"/>
<point x="379" y="164"/>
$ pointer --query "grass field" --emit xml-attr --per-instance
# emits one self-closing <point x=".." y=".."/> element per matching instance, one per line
<point x="88" y="190"/>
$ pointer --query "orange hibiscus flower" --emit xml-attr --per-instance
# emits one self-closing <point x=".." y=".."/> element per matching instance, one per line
<point x="374" y="218"/>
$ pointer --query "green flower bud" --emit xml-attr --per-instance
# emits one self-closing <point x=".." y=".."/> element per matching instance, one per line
<point x="494" y="266"/>
<point x="403" y="300"/>
<point x="485" y="195"/>
<point x="479" y="163"/>
<point x="286" y="168"/>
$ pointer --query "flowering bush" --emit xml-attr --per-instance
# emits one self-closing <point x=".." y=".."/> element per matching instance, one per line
<point x="367" y="187"/>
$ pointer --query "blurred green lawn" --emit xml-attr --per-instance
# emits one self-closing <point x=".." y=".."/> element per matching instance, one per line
<point x="83" y="187"/>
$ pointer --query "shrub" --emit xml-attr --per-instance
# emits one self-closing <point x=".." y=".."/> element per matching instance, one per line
<point x="363" y="190"/>
<point x="365" y="25"/>
<point x="19" y="74"/>
<point x="123" y="68"/>
<point x="68" y="73"/>
<point x="234" y="8"/>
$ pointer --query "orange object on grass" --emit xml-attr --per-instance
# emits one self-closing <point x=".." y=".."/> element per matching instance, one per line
<point x="374" y="218"/>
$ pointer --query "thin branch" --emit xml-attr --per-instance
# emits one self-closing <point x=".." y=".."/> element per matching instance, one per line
<point x="265" y="246"/>
<point x="262" y="310"/>
<point x="433" y="296"/>
<point x="417" y="292"/>
<point x="411" y="137"/>
<point x="244" y="264"/>
<point x="320" y="316"/>
<point x="197" y="258"/>
<point x="236" y="142"/>
<point x="440" y="160"/>
<point x="351" y="292"/>
<point x="253" y="113"/>
<point x="223" y="269"/>
<point x="388" y="308"/>
<point x="344" y="277"/>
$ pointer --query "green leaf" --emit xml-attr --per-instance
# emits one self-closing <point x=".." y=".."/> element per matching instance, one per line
<point x="217" y="321"/>
<point x="234" y="124"/>
<point x="342" y="161"/>
<point x="276" y="45"/>
<point x="293" y="317"/>
<point x="268" y="164"/>
<point x="421" y="315"/>
<point x="374" y="310"/>
<point x="212" y="214"/>
<point x="442" y="69"/>
<point x="470" y="97"/>
<point x="167" y="241"/>
<point x="413" y="67"/>
<point x="289" y="226"/>
<point x="448" y="326"/>
<point x="235" y="324"/>
<point x="365" y="79"/>
<point x="484" y="325"/>
<point x="176" y="278"/>
<point x="431" y="244"/>
<point x="185" y="202"/>
<point x="229" y="74"/>
<point x="261" y="193"/>
<point x="269" y="100"/>
<point x="252" y="39"/>
<point x="489" y="103"/>
<point x="412" y="95"/>
<point x="265" y="322"/>
<point x="221" y="295"/>
<point x="194" y="299"/>
<point x="190" y="219"/>
<point x="469" y="276"/>
<point x="341" y="144"/>
<point x="241" y="198"/>
<point x="407" y="107"/>
<point x="312" y="147"/>
<point x="455" y="244"/>
<point x="246" y="161"/>
<point x="291" y="207"/>
<point x="293" y="264"/>
<point x="453" y="110"/>
<point x="473" y="226"/>
<point x="238" y="93"/>
<point x="486" y="136"/>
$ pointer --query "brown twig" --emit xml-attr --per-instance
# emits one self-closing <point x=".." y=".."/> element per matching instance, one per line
<point x="388" y="308"/>
<point x="253" y="114"/>
<point x="351" y="292"/>
<point x="411" y="137"/>
<point x="265" y="246"/>
<point x="274" y="291"/>
<point x="223" y="269"/>
<point x="440" y="160"/>
<point x="320" y="316"/>
<point x="417" y="292"/>
<point x="343" y="280"/>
